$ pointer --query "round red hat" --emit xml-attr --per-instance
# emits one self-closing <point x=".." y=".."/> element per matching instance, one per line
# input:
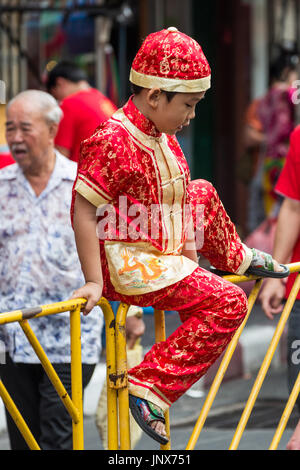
<point x="171" y="61"/>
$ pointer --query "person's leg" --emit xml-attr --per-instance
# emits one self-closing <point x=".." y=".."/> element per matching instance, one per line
<point x="211" y="310"/>
<point x="216" y="236"/>
<point x="21" y="381"/>
<point x="56" y="423"/>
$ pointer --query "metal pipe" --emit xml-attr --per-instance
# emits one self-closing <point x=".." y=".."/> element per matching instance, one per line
<point x="112" y="404"/>
<point x="76" y="375"/>
<point x="160" y="335"/>
<point x="121" y="357"/>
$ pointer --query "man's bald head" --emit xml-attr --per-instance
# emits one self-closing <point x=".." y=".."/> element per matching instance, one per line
<point x="41" y="102"/>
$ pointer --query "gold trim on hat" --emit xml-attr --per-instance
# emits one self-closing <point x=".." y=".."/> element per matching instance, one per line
<point x="170" y="84"/>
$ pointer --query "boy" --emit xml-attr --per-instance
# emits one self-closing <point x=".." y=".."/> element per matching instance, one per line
<point x="134" y="171"/>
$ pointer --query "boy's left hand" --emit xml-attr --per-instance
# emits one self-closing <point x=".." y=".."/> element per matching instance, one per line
<point x="92" y="291"/>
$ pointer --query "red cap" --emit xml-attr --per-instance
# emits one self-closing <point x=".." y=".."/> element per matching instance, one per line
<point x="172" y="61"/>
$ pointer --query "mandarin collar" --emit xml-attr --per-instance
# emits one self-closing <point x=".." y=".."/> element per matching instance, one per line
<point x="139" y="120"/>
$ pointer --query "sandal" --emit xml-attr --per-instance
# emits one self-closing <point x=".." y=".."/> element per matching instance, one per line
<point x="261" y="265"/>
<point x="144" y="413"/>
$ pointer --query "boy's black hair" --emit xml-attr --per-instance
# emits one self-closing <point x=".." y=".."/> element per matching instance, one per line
<point x="136" y="89"/>
<point x="65" y="69"/>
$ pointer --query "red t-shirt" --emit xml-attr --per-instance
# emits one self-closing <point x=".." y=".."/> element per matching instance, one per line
<point x="6" y="159"/>
<point x="288" y="185"/>
<point x="83" y="112"/>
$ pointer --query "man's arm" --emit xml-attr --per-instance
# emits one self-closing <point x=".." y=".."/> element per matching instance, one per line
<point x="287" y="234"/>
<point x="88" y="249"/>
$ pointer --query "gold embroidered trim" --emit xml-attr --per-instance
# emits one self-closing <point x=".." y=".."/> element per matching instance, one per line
<point x="95" y="187"/>
<point x="146" y="393"/>
<point x="88" y="193"/>
<point x="246" y="262"/>
<point x="170" y="84"/>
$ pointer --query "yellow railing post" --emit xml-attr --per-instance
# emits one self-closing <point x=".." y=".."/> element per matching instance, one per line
<point x="112" y="405"/>
<point x="160" y="335"/>
<point x="76" y="378"/>
<point x="122" y="381"/>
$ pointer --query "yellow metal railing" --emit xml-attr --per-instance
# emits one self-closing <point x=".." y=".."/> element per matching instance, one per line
<point x="73" y="405"/>
<point x="116" y="367"/>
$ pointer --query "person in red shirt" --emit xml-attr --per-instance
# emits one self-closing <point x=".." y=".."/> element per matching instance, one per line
<point x="287" y="247"/>
<point x="84" y="107"/>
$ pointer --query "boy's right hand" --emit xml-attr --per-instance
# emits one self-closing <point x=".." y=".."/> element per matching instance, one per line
<point x="92" y="291"/>
<point x="272" y="296"/>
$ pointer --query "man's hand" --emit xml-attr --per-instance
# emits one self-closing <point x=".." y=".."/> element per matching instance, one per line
<point x="92" y="291"/>
<point x="271" y="297"/>
<point x="135" y="327"/>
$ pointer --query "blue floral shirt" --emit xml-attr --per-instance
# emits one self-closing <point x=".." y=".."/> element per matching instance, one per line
<point x="39" y="264"/>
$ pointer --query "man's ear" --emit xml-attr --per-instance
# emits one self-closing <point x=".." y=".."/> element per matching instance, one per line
<point x="53" y="128"/>
<point x="153" y="96"/>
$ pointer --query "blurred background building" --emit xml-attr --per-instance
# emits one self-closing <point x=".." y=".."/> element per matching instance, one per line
<point x="239" y="38"/>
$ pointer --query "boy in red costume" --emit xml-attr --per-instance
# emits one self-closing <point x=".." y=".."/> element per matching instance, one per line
<point x="152" y="220"/>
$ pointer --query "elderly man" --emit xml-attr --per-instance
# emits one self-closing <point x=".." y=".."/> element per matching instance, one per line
<point x="39" y="265"/>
